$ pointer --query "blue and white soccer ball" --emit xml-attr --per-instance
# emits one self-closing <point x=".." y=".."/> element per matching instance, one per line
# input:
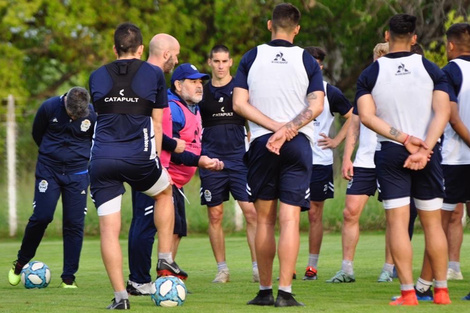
<point x="35" y="274"/>
<point x="170" y="291"/>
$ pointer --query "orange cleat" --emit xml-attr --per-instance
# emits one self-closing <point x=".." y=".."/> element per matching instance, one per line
<point x="441" y="296"/>
<point x="408" y="297"/>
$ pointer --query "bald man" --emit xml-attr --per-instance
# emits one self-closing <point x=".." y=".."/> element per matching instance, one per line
<point x="163" y="53"/>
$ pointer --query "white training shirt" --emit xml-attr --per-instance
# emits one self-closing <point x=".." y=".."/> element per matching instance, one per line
<point x="454" y="150"/>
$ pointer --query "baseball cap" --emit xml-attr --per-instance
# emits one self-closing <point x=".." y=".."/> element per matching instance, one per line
<point x="187" y="71"/>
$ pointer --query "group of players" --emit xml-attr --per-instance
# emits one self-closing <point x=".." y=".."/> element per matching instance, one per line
<point x="280" y="91"/>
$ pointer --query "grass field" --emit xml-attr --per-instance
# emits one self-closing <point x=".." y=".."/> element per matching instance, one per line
<point x="195" y="256"/>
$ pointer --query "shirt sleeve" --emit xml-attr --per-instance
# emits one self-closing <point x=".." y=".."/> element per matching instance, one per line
<point x="366" y="81"/>
<point x="161" y="100"/>
<point x="454" y="79"/>
<point x="40" y="124"/>
<point x="168" y="144"/>
<point x="241" y="78"/>
<point x="338" y="102"/>
<point x="437" y="75"/>
<point x="313" y="72"/>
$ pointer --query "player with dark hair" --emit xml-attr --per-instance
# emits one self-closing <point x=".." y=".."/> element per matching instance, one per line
<point x="456" y="145"/>
<point x="129" y="95"/>
<point x="223" y="137"/>
<point x="279" y="159"/>
<point x="321" y="181"/>
<point x="62" y="129"/>
<point x="390" y="94"/>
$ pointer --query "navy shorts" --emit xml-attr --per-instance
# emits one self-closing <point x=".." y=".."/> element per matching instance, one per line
<point x="285" y="177"/>
<point x="456" y="182"/>
<point x="321" y="183"/>
<point x="398" y="182"/>
<point x="108" y="175"/>
<point x="181" y="227"/>
<point x="364" y="182"/>
<point x="216" y="186"/>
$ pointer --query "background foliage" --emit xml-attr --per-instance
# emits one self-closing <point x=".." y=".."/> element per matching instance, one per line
<point x="47" y="46"/>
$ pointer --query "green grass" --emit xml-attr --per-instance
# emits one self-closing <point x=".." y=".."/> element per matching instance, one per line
<point x="195" y="256"/>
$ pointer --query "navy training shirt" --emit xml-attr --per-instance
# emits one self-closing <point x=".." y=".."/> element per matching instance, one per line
<point x="64" y="144"/>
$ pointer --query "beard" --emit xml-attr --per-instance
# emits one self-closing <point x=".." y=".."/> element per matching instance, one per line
<point x="190" y="98"/>
<point x="169" y="65"/>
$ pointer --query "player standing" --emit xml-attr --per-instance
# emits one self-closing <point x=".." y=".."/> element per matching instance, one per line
<point x="390" y="94"/>
<point x="223" y="137"/>
<point x="279" y="89"/>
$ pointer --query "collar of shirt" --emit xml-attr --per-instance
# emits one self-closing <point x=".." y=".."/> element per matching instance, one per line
<point x="401" y="54"/>
<point x="280" y="42"/>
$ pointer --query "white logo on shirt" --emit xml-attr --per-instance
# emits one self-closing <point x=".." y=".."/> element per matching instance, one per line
<point x="85" y="125"/>
<point x="121" y="92"/>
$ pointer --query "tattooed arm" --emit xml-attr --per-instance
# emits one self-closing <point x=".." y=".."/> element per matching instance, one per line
<point x="366" y="108"/>
<point x="352" y="137"/>
<point x="289" y="130"/>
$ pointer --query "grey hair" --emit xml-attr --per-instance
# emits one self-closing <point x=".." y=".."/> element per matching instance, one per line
<point x="77" y="102"/>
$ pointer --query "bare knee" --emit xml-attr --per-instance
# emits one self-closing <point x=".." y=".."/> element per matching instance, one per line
<point x="216" y="215"/>
<point x="351" y="214"/>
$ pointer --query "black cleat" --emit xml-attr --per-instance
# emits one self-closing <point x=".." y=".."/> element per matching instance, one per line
<point x="286" y="299"/>
<point x="264" y="297"/>
<point x="121" y="305"/>
<point x="166" y="269"/>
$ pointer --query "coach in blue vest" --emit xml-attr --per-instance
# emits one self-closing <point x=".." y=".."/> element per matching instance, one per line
<point x="62" y="129"/>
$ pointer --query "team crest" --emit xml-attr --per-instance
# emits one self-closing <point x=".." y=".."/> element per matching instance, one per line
<point x="43" y="184"/>
<point x="85" y="125"/>
<point x="207" y="195"/>
<point x="350" y="183"/>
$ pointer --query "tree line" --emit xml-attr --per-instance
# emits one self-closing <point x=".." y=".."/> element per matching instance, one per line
<point x="48" y="46"/>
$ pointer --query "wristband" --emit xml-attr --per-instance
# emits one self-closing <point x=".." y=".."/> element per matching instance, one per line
<point x="408" y="137"/>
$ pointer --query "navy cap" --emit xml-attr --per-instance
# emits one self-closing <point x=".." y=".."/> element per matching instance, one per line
<point x="187" y="71"/>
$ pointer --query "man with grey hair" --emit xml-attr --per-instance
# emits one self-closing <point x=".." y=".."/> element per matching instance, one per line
<point x="63" y="130"/>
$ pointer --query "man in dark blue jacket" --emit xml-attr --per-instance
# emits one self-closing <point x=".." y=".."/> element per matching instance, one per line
<point x="63" y="130"/>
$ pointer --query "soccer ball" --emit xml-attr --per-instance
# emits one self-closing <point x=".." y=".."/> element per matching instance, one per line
<point x="170" y="291"/>
<point x="35" y="274"/>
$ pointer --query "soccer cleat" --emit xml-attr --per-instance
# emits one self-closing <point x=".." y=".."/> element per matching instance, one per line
<point x="264" y="297"/>
<point x="285" y="299"/>
<point x="222" y="276"/>
<point x="310" y="273"/>
<point x="441" y="296"/>
<point x="342" y="277"/>
<point x="14" y="275"/>
<point x="454" y="275"/>
<point x="255" y="275"/>
<point x="121" y="305"/>
<point x="424" y="296"/>
<point x="136" y="289"/>
<point x="166" y="269"/>
<point x="408" y="297"/>
<point x="68" y="285"/>
<point x="385" y="277"/>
